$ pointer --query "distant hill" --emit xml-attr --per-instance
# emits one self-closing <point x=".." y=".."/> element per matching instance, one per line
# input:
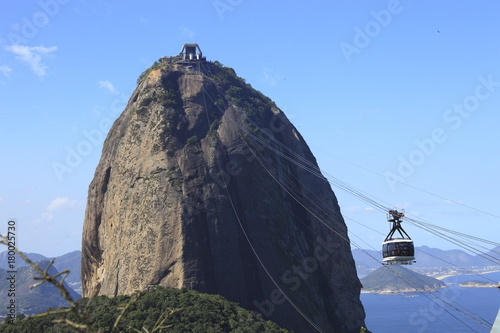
<point x="427" y="257"/>
<point x="432" y="257"/>
<point x="70" y="261"/>
<point x="478" y="284"/>
<point x="19" y="262"/>
<point x="397" y="279"/>
<point x="35" y="300"/>
<point x="364" y="260"/>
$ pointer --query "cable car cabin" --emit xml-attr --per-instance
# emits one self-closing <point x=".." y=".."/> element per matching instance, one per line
<point x="400" y="250"/>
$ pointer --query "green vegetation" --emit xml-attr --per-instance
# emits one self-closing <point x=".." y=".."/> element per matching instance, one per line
<point x="157" y="310"/>
<point x="214" y="126"/>
<point x="171" y="172"/>
<point x="477" y="283"/>
<point x="236" y="91"/>
<point x="192" y="141"/>
<point x="158" y="170"/>
<point x="169" y="98"/>
<point x="156" y="65"/>
<point x="176" y="183"/>
<point x="240" y="93"/>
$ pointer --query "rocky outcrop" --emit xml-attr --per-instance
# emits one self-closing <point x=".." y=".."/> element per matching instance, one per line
<point x="395" y="279"/>
<point x="204" y="184"/>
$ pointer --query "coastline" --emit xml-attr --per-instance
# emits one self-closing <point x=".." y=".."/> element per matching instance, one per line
<point x="489" y="285"/>
<point x="458" y="274"/>
<point x="399" y="292"/>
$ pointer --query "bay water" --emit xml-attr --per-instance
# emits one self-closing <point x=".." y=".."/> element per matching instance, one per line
<point x="453" y="309"/>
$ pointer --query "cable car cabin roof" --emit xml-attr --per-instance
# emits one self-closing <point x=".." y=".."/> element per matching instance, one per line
<point x="398" y="240"/>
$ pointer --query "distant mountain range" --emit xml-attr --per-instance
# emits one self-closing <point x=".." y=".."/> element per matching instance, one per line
<point x="428" y="257"/>
<point x="31" y="300"/>
<point x="70" y="261"/>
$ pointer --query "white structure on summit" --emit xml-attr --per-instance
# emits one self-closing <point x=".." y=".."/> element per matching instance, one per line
<point x="191" y="51"/>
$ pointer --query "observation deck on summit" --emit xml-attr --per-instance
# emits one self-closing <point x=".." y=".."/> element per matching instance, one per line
<point x="190" y="57"/>
<point x="191" y="53"/>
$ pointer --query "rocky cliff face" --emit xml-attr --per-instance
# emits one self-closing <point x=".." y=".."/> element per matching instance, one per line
<point x="198" y="187"/>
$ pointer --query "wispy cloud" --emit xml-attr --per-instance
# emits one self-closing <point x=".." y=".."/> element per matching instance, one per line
<point x="144" y="21"/>
<point x="355" y="209"/>
<point x="108" y="86"/>
<point x="403" y="206"/>
<point x="269" y="76"/>
<point x="186" y="33"/>
<point x="368" y="113"/>
<point x="32" y="55"/>
<point x="58" y="204"/>
<point x="5" y="70"/>
<point x="97" y="110"/>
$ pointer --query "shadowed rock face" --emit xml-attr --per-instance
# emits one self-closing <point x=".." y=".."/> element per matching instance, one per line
<point x="198" y="187"/>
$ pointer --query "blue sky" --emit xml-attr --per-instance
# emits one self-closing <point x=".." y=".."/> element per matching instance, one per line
<point x="380" y="90"/>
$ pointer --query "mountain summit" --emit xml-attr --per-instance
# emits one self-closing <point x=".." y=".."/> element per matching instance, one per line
<point x="204" y="184"/>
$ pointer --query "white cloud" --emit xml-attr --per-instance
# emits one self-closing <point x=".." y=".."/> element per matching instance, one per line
<point x="402" y="206"/>
<point x="368" y="113"/>
<point x="144" y="21"/>
<point x="32" y="55"/>
<point x="108" y="86"/>
<point x="5" y="70"/>
<point x="97" y="110"/>
<point x="60" y="203"/>
<point x="355" y="209"/>
<point x="269" y="76"/>
<point x="186" y="33"/>
<point x="1" y="199"/>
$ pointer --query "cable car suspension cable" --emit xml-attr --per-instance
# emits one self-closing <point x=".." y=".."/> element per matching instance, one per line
<point x="315" y="171"/>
